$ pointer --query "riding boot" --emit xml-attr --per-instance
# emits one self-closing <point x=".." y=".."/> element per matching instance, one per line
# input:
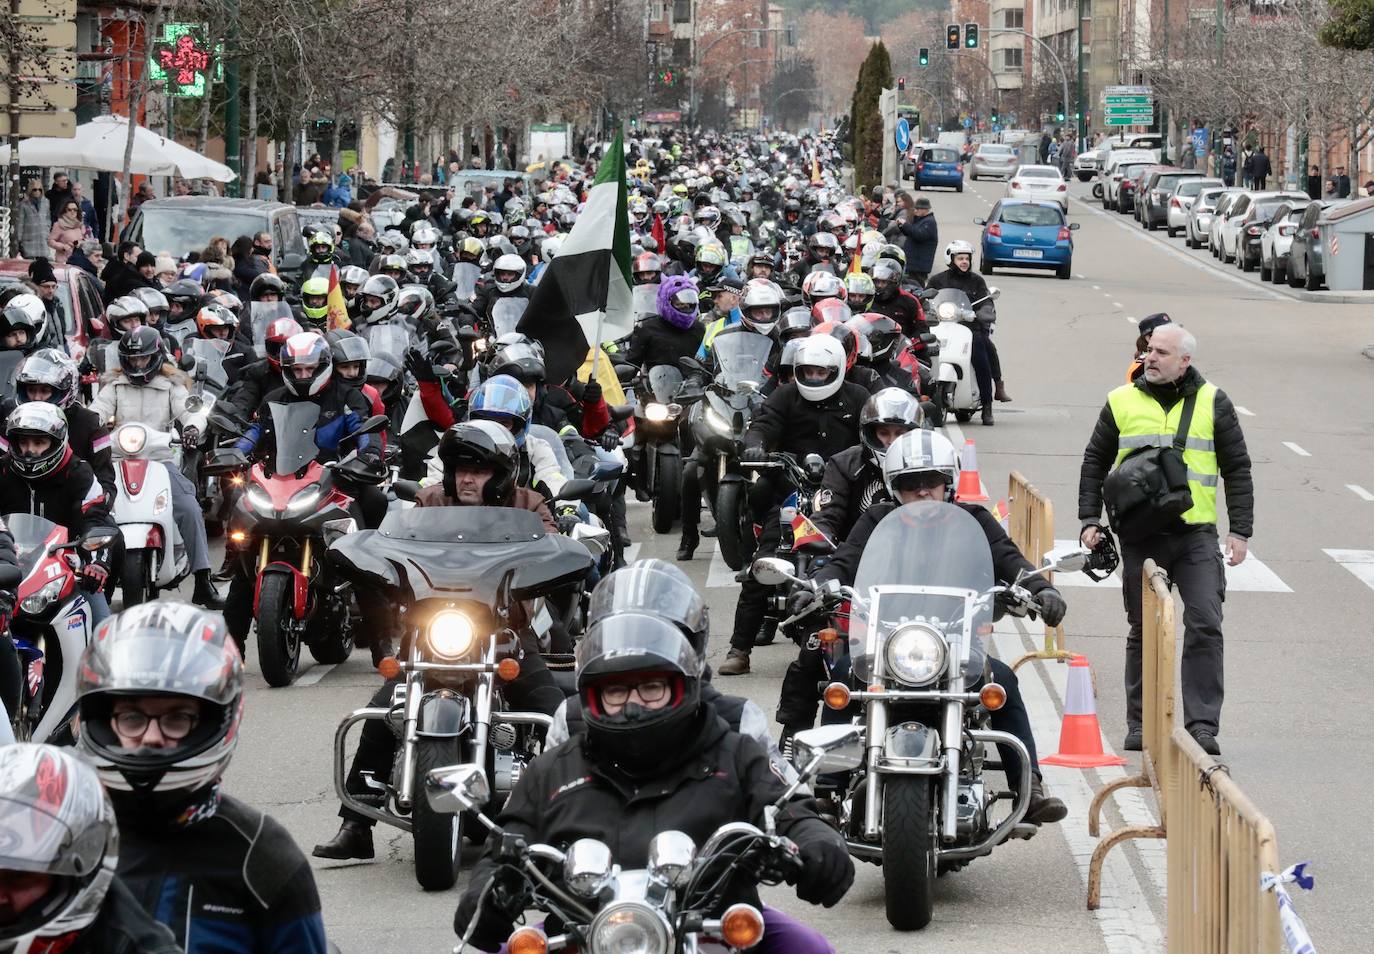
<point x="768" y="631"/>
<point x="205" y="593"/>
<point x="987" y="414"/>
<point x="354" y="840"/>
<point x="687" y="547"/>
<point x="226" y="568"/>
<point x="1001" y="393"/>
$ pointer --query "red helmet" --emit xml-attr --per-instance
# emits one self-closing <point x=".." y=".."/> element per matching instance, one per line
<point x="832" y="310"/>
<point x="277" y="333"/>
<point x="882" y="332"/>
<point x="844" y="335"/>
<point x="306" y="352"/>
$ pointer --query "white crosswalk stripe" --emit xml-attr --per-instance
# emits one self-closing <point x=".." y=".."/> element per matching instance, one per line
<point x="1252" y="576"/>
<point x="1359" y="562"/>
<point x="720" y="575"/>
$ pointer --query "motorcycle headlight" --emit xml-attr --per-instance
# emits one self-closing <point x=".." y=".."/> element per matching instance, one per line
<point x="304" y="499"/>
<point x="132" y="439"/>
<point x="629" y="928"/>
<point x="948" y="311"/>
<point x="717" y="422"/>
<point x="36" y="603"/>
<point x="656" y="413"/>
<point x="259" y="500"/>
<point x="450" y="634"/>
<point x="916" y="654"/>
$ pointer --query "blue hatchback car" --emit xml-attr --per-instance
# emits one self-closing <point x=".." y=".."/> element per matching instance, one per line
<point x="936" y="165"/>
<point x="1025" y="234"/>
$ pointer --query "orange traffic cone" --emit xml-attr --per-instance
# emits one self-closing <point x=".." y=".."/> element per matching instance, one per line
<point x="970" y="484"/>
<point x="1080" y="737"/>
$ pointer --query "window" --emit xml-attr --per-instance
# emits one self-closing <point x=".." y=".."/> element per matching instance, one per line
<point x="1014" y="19"/>
<point x="657" y="10"/>
<point x="1011" y="58"/>
<point x="682" y="11"/>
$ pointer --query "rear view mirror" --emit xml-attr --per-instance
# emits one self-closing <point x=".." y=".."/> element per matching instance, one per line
<point x="1070" y="562"/>
<point x="980" y="221"/>
<point x="831" y="748"/>
<point x="772" y="571"/>
<point x="457" y="788"/>
<point x="576" y="489"/>
<point x="994" y="292"/>
<point x="1073" y="226"/>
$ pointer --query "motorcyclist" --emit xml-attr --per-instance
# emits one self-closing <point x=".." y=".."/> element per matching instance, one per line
<point x="507" y="281"/>
<point x="923" y="465"/>
<point x="647" y="268"/>
<point x="267" y="287"/>
<point x="218" y="323"/>
<point x="480" y="462"/>
<point x="959" y="274"/>
<point x="160" y="697"/>
<point x="185" y="297"/>
<point x="377" y="299"/>
<point x="21" y="322"/>
<point x="653" y="756"/>
<point x="58" y="887"/>
<point x="673" y="333"/>
<point x="504" y="400"/>
<point x="40" y="475"/>
<point x="260" y="376"/>
<point x="350" y="353"/>
<point x="890" y="299"/>
<point x="313" y="313"/>
<point x="49" y="375"/>
<point x="147" y="389"/>
<point x="351" y="280"/>
<point x="712" y="262"/>
<point x="420" y="264"/>
<point x="817" y="414"/>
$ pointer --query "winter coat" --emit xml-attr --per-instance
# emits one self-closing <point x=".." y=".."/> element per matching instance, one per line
<point x="61" y="239"/>
<point x="922" y="238"/>
<point x="159" y="404"/>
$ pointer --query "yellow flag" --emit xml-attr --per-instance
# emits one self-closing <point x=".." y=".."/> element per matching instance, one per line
<point x="611" y="390"/>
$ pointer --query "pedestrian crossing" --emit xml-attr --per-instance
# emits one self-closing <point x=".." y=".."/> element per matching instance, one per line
<point x="1251" y="576"/>
<point x="1360" y="563"/>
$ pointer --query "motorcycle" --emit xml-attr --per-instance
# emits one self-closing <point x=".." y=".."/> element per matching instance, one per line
<point x="458" y="573"/>
<point x="210" y="361"/>
<point x="950" y="313"/>
<point x="388" y="343"/>
<point x="657" y="418"/>
<point x="505" y="316"/>
<point x="465" y="278"/>
<point x="922" y="804"/>
<point x="278" y="524"/>
<point x="51" y="626"/>
<point x="260" y="315"/>
<point x="718" y="424"/>
<point x="154" y="556"/>
<point x="672" y="906"/>
<point x="804" y="477"/>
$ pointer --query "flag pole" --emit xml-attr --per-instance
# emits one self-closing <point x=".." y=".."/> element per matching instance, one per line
<point x="596" y="346"/>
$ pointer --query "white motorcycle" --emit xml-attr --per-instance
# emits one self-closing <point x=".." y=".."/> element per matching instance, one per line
<point x="950" y="315"/>
<point x="155" y="556"/>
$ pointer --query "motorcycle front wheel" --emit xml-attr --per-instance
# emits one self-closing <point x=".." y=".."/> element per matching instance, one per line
<point x="909" y="850"/>
<point x="666" y="491"/>
<point x="279" y="640"/>
<point x="732" y="512"/>
<point x="438" y="836"/>
<point x="136" y="583"/>
<point x="333" y="641"/>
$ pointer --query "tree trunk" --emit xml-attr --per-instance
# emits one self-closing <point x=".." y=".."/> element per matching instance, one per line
<point x="249" y="161"/>
<point x="203" y="127"/>
<point x="150" y="27"/>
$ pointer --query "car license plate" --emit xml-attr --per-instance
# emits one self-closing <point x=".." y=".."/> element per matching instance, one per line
<point x="1027" y="253"/>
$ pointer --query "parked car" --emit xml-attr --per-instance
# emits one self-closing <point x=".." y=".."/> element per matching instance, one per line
<point x="1118" y="187"/>
<point x="186" y="223"/>
<point x="1138" y="184"/>
<point x="1225" y="205"/>
<point x="1181" y="202"/>
<point x="1278" y="239"/>
<point x="78" y="299"/>
<point x="993" y="159"/>
<point x="1306" y="266"/>
<point x="1090" y="162"/>
<point x="1026" y="234"/>
<point x="1250" y="225"/>
<point x="1200" y="216"/>
<point x="936" y="165"/>
<point x="1045" y="183"/>
<point x="1158" y="191"/>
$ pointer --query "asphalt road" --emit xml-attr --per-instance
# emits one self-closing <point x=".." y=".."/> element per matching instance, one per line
<point x="1295" y="625"/>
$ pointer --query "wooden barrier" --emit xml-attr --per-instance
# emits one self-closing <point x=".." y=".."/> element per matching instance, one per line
<point x="1030" y="524"/>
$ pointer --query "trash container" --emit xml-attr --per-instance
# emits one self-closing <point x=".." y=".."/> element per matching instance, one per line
<point x="1347" y="235"/>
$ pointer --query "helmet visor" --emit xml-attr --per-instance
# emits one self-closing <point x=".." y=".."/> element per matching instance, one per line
<point x="634" y="642"/>
<point x="649" y="592"/>
<point x="685" y="301"/>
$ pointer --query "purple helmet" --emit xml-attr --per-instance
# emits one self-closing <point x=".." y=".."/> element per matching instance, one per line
<point x="677" y="301"/>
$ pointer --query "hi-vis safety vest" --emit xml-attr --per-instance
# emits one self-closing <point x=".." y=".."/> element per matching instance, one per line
<point x="1142" y="422"/>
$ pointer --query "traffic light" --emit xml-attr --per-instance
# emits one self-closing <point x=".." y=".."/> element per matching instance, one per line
<point x="1059" y="112"/>
<point x="952" y="36"/>
<point x="901" y="84"/>
<point x="993" y="117"/>
<point x="923" y="56"/>
<point x="971" y="35"/>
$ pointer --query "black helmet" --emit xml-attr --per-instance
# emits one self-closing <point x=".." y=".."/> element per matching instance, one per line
<point x="888" y="407"/>
<point x="345" y="347"/>
<point x="185" y="296"/>
<point x="51" y="368"/>
<point x="796" y="322"/>
<point x="523" y="362"/>
<point x="172" y="649"/>
<point x="142" y="354"/>
<point x="1104" y="559"/>
<point x="264" y="283"/>
<point x="882" y="333"/>
<point x="482" y="445"/>
<point x="37" y="419"/>
<point x="656" y="588"/>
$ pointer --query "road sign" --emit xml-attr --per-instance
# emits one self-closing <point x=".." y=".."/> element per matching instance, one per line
<point x="1128" y="105"/>
<point x="968" y="123"/>
<point x="903" y="135"/>
<point x="61" y="125"/>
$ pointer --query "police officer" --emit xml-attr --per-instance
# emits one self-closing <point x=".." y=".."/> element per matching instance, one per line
<point x="1149" y="412"/>
<point x="816" y="414"/>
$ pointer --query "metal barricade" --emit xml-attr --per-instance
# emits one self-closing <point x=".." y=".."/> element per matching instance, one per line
<point x="1030" y="524"/>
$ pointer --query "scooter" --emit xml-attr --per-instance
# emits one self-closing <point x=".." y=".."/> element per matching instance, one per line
<point x="154" y="554"/>
<point x="657" y="422"/>
<point x="51" y="626"/>
<point x="950" y="314"/>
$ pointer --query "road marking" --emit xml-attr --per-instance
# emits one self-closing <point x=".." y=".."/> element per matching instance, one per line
<point x="1132" y="319"/>
<point x="1296" y="449"/>
<point x="720" y="576"/>
<point x="1095" y="287"/>
<point x="314" y="674"/>
<point x="1245" y="411"/>
<point x="632" y="552"/>
<point x="1252" y="576"/>
<point x="1117" y="304"/>
<point x="1359" y="491"/>
<point x="1080" y="275"/>
<point x="1358" y="562"/>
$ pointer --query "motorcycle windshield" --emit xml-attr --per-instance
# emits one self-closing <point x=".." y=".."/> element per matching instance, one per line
<point x="263" y="313"/>
<point x="664" y="381"/>
<point x="30" y="534"/>
<point x="741" y="356"/>
<point x="505" y="315"/>
<point x="915" y="549"/>
<point x="9" y="363"/>
<point x="465" y="276"/>
<point x="472" y="525"/>
<point x="209" y="354"/>
<point x="644" y="300"/>
<point x="388" y="343"/>
<point x="294" y="425"/>
<point x="950" y="304"/>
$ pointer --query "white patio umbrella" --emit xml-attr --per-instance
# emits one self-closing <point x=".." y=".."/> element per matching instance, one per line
<point x="99" y="144"/>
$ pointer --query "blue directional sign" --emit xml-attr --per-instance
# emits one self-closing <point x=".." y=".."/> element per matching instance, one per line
<point x="968" y="123"/>
<point x="903" y="135"/>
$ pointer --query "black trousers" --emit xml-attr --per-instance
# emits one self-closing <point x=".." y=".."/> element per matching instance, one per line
<point x="753" y="596"/>
<point x="980" y="358"/>
<point x="534" y="690"/>
<point x="1194" y="563"/>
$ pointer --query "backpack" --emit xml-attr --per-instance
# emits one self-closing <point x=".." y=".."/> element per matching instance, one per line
<point x="1149" y="488"/>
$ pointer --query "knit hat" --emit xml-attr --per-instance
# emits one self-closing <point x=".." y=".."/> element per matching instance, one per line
<point x="163" y="265"/>
<point x="146" y="258"/>
<point x="40" y="270"/>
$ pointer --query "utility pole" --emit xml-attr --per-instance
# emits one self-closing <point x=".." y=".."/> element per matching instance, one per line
<point x="232" y="157"/>
<point x="1082" y="102"/>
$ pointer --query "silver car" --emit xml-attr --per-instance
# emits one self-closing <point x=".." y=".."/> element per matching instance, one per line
<point x="1181" y="202"/>
<point x="1200" y="216"/>
<point x="993" y="159"/>
<point x="1278" y="239"/>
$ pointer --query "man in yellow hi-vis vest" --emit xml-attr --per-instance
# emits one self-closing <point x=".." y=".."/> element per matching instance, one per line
<point x="1148" y="412"/>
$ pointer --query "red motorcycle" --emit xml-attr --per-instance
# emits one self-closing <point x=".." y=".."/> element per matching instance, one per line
<point x="290" y="511"/>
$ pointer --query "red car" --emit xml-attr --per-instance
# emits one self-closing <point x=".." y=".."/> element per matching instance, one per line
<point x="83" y="313"/>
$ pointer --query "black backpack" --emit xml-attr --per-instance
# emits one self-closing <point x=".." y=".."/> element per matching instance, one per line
<point x="1149" y="488"/>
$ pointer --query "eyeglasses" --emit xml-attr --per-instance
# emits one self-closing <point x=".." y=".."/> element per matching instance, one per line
<point x="649" y="691"/>
<point x="133" y="723"/>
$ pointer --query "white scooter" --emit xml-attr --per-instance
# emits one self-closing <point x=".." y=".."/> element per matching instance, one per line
<point x="155" y="557"/>
<point x="950" y="313"/>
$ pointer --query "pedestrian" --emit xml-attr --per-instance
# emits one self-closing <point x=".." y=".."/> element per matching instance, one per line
<point x="1247" y="167"/>
<point x="916" y="222"/>
<point x="88" y="257"/>
<point x="34" y="221"/>
<point x="1314" y="183"/>
<point x="1228" y="166"/>
<point x="1339" y="184"/>
<point x="67" y="231"/>
<point x="1045" y="140"/>
<point x="60" y="192"/>
<point x="88" y="215"/>
<point x="1368" y="190"/>
<point x="141" y="195"/>
<point x="1259" y="168"/>
<point x="1172" y="405"/>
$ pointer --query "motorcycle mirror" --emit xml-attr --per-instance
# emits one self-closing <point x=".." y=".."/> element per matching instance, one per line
<point x="1070" y="562"/>
<point x="690" y="365"/>
<point x="831" y="748"/>
<point x="814" y="466"/>
<point x="1073" y="226"/>
<point x="928" y="293"/>
<point x="459" y="788"/>
<point x="994" y="293"/>
<point x="625" y="372"/>
<point x="980" y="221"/>
<point x="333" y="530"/>
<point x="194" y="403"/>
<point x="587" y="866"/>
<point x="608" y="470"/>
<point x="96" y="539"/>
<point x="929" y="339"/>
<point x="405" y="489"/>
<point x="224" y="422"/>
<point x="576" y="489"/>
<point x="772" y="571"/>
<point x="671" y="854"/>
<point x="372" y="425"/>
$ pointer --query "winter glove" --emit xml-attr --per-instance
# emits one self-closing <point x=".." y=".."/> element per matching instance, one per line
<point x="609" y="439"/>
<point x="94" y="576"/>
<point x="591" y="393"/>
<point x="420" y="366"/>
<point x="567" y="519"/>
<point x="753" y="455"/>
<point x="1052" y="606"/>
<point x="494" y="924"/>
<point x="190" y="436"/>
<point x="799" y="600"/>
<point x="827" y="870"/>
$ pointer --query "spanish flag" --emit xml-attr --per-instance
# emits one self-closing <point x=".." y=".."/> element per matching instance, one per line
<point x="804" y="532"/>
<point x="338" y="308"/>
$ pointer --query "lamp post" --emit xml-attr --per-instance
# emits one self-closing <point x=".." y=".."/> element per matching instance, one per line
<point x="1059" y="64"/>
<point x="1082" y="111"/>
<point x="698" y="57"/>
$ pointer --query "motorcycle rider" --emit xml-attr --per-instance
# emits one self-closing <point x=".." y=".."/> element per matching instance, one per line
<point x="60" y="893"/>
<point x="818" y="413"/>
<point x="923" y="465"/>
<point x="160" y="697"/>
<point x="480" y="462"/>
<point x="314" y="306"/>
<point x="243" y="399"/>
<point x="890" y="299"/>
<point x="49" y="375"/>
<point x="219" y="323"/>
<point x="673" y="333"/>
<point x="420" y="264"/>
<point x="959" y="274"/>
<point x="350" y="354"/>
<point x="21" y="322"/>
<point x="148" y="389"/>
<point x="655" y="755"/>
<point x="507" y="281"/>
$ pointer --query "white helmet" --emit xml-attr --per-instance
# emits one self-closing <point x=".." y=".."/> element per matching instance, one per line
<point x="920" y="452"/>
<point x="957" y="247"/>
<point x="764" y="296"/>
<point x="512" y="264"/>
<point x="817" y="354"/>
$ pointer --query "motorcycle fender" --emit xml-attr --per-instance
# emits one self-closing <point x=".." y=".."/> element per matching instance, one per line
<point x="669" y="449"/>
<point x="911" y="747"/>
<point x="300" y="589"/>
<point x="136" y="534"/>
<point x="443" y="715"/>
<point x="732" y="477"/>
